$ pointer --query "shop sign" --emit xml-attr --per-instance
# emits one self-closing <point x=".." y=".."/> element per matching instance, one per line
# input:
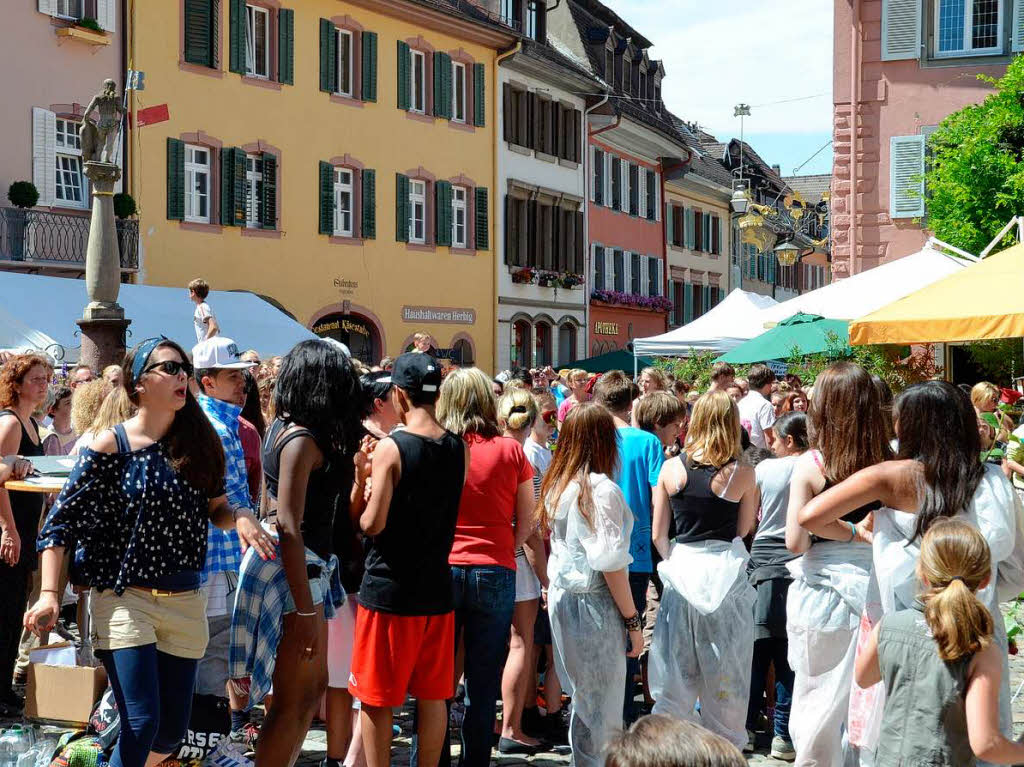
<point x="606" y="328"/>
<point x="439" y="314"/>
<point x="346" y="287"/>
<point x="341" y="326"/>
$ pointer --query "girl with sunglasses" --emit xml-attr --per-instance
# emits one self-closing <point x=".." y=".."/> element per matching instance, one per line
<point x="136" y="510"/>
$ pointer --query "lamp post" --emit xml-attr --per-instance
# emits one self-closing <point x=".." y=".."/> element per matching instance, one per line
<point x="787" y="253"/>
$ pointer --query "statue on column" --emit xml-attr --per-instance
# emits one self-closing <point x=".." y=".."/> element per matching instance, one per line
<point x="99" y="138"/>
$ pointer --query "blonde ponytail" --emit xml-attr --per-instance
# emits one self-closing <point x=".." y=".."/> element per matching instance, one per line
<point x="517" y="409"/>
<point x="955" y="562"/>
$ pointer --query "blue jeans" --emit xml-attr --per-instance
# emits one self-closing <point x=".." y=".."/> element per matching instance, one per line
<point x="153" y="691"/>
<point x="767" y="651"/>
<point x="484" y="600"/>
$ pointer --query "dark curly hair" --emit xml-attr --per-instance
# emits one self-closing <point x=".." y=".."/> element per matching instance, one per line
<point x="318" y="388"/>
<point x="12" y="375"/>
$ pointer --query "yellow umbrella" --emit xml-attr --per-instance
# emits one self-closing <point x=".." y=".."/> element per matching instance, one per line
<point x="982" y="301"/>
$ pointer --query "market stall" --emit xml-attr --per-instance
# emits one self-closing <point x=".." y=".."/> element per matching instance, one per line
<point x="809" y="333"/>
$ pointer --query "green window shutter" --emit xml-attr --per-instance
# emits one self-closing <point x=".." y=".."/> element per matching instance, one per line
<point x="175" y="179"/>
<point x="326" y="179"/>
<point x="369" y="75"/>
<point x="227" y="187"/>
<point x="481" y="216"/>
<point x="443" y="213"/>
<point x="286" y="46"/>
<point x="236" y="36"/>
<point x="401" y="206"/>
<point x="443" y="85"/>
<point x="404" y="75"/>
<point x="479" y="96"/>
<point x="241" y="190"/>
<point x="199" y="26"/>
<point x="269" y="191"/>
<point x="706" y="299"/>
<point x="328" y="57"/>
<point x="687" y="303"/>
<point x="369" y="201"/>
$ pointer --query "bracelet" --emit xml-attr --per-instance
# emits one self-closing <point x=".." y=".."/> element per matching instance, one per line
<point x="634" y="623"/>
<point x="853" y="531"/>
<point x="306" y="615"/>
<point x="49" y="591"/>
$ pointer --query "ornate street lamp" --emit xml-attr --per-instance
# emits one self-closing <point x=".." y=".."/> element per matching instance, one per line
<point x="787" y="253"/>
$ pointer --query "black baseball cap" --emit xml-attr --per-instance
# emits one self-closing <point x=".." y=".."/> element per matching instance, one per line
<point x="416" y="372"/>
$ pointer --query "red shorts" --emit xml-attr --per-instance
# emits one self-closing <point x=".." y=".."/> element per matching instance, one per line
<point x="398" y="654"/>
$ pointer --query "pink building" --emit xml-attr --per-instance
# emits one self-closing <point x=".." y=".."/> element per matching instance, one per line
<point x="55" y="56"/>
<point x="901" y="66"/>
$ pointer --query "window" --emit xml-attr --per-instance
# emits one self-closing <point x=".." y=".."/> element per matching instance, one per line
<point x="600" y="281"/>
<point x="344" y="194"/>
<point x="418" y="83"/>
<point x="609" y="64"/>
<point x="521" y="343"/>
<point x="253" y="190"/>
<point x="417" y="211"/>
<point x="459" y="237"/>
<point x="197" y="184"/>
<point x="345" y="49"/>
<point x="71" y="189"/>
<point x="71" y="9"/>
<point x="509" y="15"/>
<point x="653" y="285"/>
<point x="657" y="98"/>
<point x="67" y="135"/>
<point x="619" y="265"/>
<point x="642" y="90"/>
<point x="543" y="353"/>
<point x="257" y="41"/>
<point x="627" y="74"/>
<point x="566" y="343"/>
<point x="635" y="286"/>
<point x="531" y="20"/>
<point x="598" y="189"/>
<point x="458" y="92"/>
<point x="968" y="27"/>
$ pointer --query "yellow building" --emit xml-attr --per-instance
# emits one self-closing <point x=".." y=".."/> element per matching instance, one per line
<point x="334" y="157"/>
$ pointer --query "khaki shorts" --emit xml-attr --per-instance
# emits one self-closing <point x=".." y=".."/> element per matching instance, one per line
<point x="176" y="624"/>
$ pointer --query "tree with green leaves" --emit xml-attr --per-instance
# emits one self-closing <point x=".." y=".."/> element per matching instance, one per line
<point x="975" y="173"/>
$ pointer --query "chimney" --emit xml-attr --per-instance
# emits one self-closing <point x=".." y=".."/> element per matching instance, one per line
<point x="778" y="169"/>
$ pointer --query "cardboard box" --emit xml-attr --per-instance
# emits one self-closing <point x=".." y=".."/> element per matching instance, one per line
<point x="64" y="694"/>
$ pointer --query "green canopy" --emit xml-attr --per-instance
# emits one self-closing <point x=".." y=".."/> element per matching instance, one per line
<point x="810" y="333"/>
<point x="618" y="360"/>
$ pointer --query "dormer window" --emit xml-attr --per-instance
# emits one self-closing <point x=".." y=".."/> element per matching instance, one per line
<point x="642" y="90"/>
<point x="627" y="75"/>
<point x="609" y="64"/>
<point x="657" y="97"/>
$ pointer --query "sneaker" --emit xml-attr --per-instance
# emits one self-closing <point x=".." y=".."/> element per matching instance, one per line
<point x="246" y="737"/>
<point x="751" y="737"/>
<point x="782" y="748"/>
<point x="228" y="754"/>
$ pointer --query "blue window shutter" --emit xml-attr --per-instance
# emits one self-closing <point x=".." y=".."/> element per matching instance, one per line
<point x="906" y="176"/>
<point x="687" y="303"/>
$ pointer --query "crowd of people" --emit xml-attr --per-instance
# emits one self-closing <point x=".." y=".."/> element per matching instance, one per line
<point x="816" y="568"/>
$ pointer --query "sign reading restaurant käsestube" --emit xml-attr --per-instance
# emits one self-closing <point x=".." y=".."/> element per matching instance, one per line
<point x="441" y="314"/>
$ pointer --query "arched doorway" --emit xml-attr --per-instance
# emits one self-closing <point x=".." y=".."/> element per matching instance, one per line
<point x="353" y="330"/>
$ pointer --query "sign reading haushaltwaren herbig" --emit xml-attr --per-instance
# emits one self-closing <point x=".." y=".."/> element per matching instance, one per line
<point x="442" y="314"/>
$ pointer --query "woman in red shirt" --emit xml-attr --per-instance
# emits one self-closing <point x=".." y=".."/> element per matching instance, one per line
<point x="499" y="487"/>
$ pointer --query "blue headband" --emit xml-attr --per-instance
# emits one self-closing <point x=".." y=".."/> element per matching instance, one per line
<point x="142" y="355"/>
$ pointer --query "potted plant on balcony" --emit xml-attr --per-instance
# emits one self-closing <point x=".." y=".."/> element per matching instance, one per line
<point x="124" y="205"/>
<point x="524" y="276"/>
<point x="547" y="280"/>
<point x="569" y="281"/>
<point x="22" y="195"/>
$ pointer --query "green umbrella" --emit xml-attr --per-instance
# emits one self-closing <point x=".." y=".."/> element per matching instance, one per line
<point x="618" y="360"/>
<point x="810" y="333"/>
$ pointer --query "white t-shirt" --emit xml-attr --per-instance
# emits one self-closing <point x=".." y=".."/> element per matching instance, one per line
<point x="202" y="315"/>
<point x="756" y="415"/>
<point x="538" y="456"/>
<point x="773" y="478"/>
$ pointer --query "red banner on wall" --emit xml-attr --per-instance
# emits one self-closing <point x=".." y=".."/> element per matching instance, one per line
<point x="151" y="115"/>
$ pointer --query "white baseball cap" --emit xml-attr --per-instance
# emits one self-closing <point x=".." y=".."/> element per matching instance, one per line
<point x="219" y="353"/>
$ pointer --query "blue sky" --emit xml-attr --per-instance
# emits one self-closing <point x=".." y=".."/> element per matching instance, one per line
<point x="718" y="54"/>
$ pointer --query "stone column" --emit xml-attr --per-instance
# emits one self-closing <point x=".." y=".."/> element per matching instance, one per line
<point x="103" y="323"/>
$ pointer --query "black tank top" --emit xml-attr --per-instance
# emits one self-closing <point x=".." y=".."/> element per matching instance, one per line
<point x="407" y="571"/>
<point x="700" y="514"/>
<point x="26" y="507"/>
<point x="322" y="491"/>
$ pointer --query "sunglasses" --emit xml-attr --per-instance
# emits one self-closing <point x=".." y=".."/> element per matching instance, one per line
<point x="170" y="367"/>
<point x="549" y="417"/>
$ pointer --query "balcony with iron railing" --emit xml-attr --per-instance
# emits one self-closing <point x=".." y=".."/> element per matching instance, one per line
<point x="42" y="240"/>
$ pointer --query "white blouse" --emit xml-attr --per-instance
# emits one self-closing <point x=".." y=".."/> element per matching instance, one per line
<point x="580" y="550"/>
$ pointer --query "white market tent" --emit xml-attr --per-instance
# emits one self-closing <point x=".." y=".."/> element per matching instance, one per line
<point x="735" y="320"/>
<point x="50" y="306"/>
<point x="867" y="291"/>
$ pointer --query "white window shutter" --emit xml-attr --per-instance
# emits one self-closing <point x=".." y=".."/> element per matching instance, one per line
<point x="624" y="185"/>
<point x="1017" y="35"/>
<point x="607" y="180"/>
<point x="901" y="29"/>
<point x="906" y="176"/>
<point x="657" y="194"/>
<point x="661" y="276"/>
<point x="44" y="154"/>
<point x="106" y="14"/>
<point x="609" y="267"/>
<point x="644" y="279"/>
<point x="627" y="269"/>
<point x="593" y="172"/>
<point x="642" y="196"/>
<point x="49" y="7"/>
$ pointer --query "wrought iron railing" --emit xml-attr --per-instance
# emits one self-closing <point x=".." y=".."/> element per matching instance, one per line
<point x="40" y="236"/>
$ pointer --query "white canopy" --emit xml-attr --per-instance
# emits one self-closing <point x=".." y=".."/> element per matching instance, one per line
<point x="726" y="326"/>
<point x="865" y="292"/>
<point x="16" y="336"/>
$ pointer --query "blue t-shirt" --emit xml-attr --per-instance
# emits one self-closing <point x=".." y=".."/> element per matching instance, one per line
<point x="640" y="459"/>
